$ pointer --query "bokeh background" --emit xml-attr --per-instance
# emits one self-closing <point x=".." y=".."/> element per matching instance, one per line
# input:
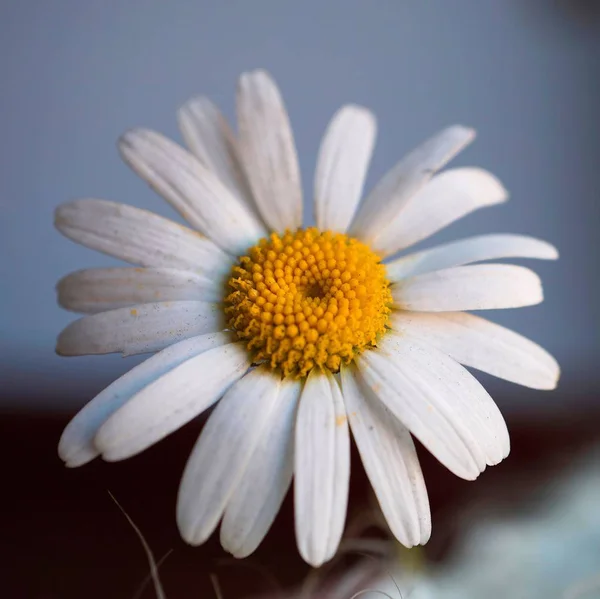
<point x="75" y="75"/>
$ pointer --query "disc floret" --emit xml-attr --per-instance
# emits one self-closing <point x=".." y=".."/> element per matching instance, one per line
<point x="308" y="298"/>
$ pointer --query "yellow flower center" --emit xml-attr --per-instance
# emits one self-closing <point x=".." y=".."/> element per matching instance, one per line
<point x="307" y="299"/>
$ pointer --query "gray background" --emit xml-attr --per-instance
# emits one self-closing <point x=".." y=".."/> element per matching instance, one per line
<point x="76" y="74"/>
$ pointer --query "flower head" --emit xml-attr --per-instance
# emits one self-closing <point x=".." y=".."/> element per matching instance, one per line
<point x="303" y="334"/>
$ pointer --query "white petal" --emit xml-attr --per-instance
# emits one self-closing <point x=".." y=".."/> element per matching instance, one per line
<point x="223" y="451"/>
<point x="191" y="189"/>
<point x="484" y="345"/>
<point x="139" y="329"/>
<point x="406" y="178"/>
<point x="210" y="138"/>
<point x="322" y="468"/>
<point x="478" y="287"/>
<point x="342" y="167"/>
<point x="76" y="445"/>
<point x="139" y="237"/>
<point x="467" y="251"/>
<point x="268" y="152"/>
<point x="461" y="394"/>
<point x="423" y="403"/>
<point x="261" y="490"/>
<point x="99" y="289"/>
<point x="171" y="401"/>
<point x="390" y="459"/>
<point x="446" y="198"/>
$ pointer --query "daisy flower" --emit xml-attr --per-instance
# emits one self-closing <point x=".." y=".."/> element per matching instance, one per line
<point x="303" y="334"/>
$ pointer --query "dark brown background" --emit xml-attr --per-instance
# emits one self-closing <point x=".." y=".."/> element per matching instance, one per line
<point x="63" y="537"/>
